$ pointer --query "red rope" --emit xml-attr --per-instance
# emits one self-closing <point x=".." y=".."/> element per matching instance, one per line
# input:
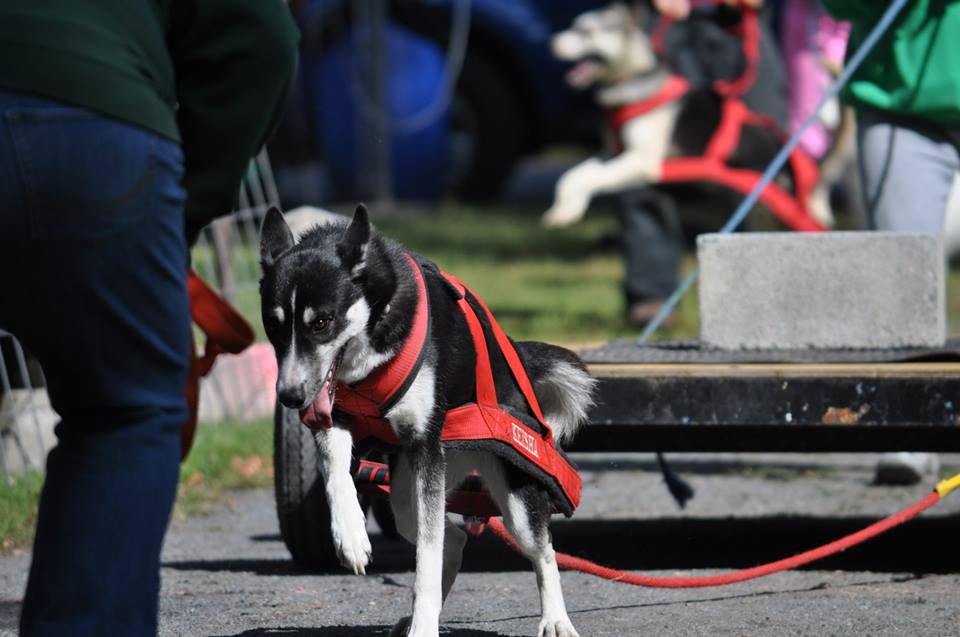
<point x="591" y="568"/>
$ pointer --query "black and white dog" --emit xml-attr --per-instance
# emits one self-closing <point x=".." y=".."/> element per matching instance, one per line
<point x="337" y="305"/>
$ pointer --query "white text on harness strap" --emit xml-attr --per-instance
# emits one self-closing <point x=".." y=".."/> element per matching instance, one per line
<point x="525" y="440"/>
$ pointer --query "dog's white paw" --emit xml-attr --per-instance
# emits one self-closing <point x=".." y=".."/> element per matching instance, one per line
<point x="349" y="532"/>
<point x="557" y="628"/>
<point x="559" y="216"/>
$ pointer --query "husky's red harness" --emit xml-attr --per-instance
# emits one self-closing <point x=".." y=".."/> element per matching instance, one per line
<point x="483" y="421"/>
<point x="792" y="210"/>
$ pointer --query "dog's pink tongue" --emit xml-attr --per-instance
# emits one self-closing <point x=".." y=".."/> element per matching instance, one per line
<point x="582" y="74"/>
<point x="318" y="414"/>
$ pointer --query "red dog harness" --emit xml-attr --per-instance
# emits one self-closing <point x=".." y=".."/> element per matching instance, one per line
<point x="792" y="210"/>
<point x="483" y="421"/>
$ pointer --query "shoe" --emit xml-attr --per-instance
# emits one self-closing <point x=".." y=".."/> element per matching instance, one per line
<point x="906" y="467"/>
<point x="640" y="313"/>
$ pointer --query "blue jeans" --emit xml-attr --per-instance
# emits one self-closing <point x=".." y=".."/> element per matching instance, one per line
<point x="652" y="244"/>
<point x="93" y="282"/>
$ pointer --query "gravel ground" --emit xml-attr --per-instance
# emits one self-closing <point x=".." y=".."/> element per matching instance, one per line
<point x="229" y="574"/>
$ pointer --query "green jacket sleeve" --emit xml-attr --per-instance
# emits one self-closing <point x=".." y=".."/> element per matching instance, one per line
<point x="235" y="62"/>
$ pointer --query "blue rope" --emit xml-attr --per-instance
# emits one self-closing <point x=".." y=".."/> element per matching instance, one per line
<point x="777" y="164"/>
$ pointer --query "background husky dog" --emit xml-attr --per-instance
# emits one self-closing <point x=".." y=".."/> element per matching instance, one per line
<point x="338" y="304"/>
<point x="611" y="50"/>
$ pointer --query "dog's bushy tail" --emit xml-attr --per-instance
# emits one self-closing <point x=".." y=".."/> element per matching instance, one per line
<point x="562" y="385"/>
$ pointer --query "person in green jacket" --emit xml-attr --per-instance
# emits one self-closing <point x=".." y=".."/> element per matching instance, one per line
<point x="124" y="128"/>
<point x="907" y="101"/>
<point x="211" y="76"/>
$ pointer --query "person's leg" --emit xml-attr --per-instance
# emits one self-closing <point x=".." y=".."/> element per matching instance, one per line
<point x="652" y="249"/>
<point x="907" y="174"/>
<point x="94" y="259"/>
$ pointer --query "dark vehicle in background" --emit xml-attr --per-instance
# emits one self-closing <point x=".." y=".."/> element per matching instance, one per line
<point x="470" y="88"/>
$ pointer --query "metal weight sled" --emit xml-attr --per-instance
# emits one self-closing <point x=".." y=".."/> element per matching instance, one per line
<point x="678" y="396"/>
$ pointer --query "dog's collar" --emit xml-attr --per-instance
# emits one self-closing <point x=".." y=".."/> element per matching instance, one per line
<point x="673" y="88"/>
<point x="635" y="88"/>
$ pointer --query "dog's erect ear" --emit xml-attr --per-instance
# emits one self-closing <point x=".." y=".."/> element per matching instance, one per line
<point x="275" y="237"/>
<point x="352" y="247"/>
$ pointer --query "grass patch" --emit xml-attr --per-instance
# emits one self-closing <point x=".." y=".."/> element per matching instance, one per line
<point x="225" y="456"/>
<point x="555" y="285"/>
<point x="558" y="285"/>
<point x="563" y="285"/>
<point x="18" y="510"/>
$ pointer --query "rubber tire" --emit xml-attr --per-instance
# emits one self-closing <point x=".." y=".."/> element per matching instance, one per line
<point x="301" y="502"/>
<point x="499" y="138"/>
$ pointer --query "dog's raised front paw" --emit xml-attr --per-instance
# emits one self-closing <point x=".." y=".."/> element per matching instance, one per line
<point x="557" y="628"/>
<point x="349" y="532"/>
<point x="560" y="216"/>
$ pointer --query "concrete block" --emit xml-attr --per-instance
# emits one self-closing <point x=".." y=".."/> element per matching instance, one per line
<point x="788" y="290"/>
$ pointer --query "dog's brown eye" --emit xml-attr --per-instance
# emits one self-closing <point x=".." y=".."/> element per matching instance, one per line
<point x="319" y="325"/>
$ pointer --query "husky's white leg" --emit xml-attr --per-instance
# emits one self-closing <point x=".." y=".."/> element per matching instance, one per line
<point x="536" y="545"/>
<point x="646" y="141"/>
<point x="429" y="505"/>
<point x="572" y="194"/>
<point x="419" y="508"/>
<point x="526" y="514"/>
<point x="629" y="169"/>
<point x="348" y="524"/>
<point x="401" y="502"/>
<point x="593" y="177"/>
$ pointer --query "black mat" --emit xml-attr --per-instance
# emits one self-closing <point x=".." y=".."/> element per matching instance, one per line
<point x="692" y="351"/>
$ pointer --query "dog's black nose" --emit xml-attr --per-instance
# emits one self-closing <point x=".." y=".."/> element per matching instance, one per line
<point x="291" y="397"/>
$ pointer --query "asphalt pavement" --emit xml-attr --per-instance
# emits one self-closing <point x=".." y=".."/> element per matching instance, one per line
<point x="229" y="574"/>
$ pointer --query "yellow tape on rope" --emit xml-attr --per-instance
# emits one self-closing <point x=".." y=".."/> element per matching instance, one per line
<point x="944" y="487"/>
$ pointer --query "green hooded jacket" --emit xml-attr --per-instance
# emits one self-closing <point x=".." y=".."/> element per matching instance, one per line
<point x="914" y="69"/>
<point x="210" y="74"/>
